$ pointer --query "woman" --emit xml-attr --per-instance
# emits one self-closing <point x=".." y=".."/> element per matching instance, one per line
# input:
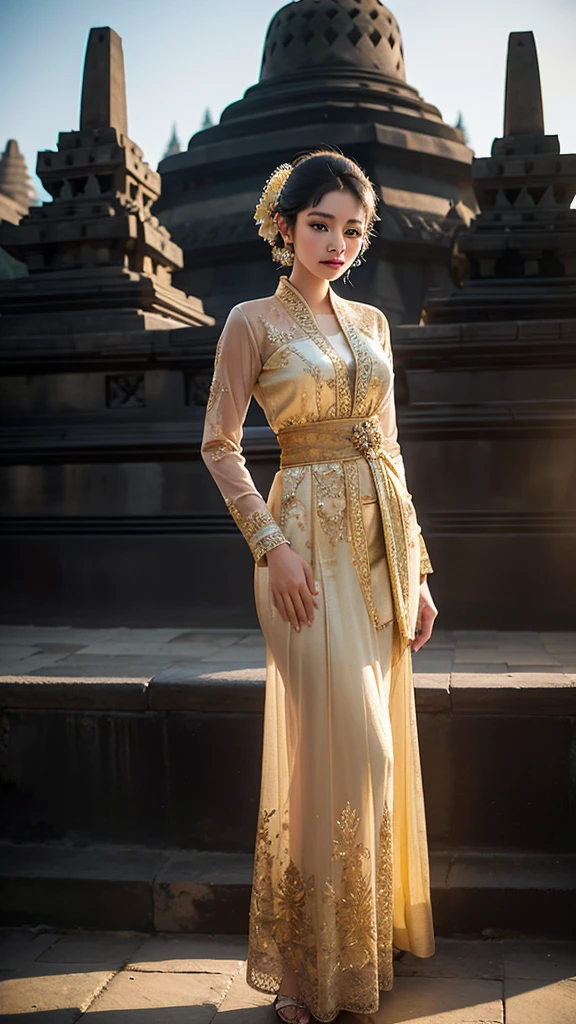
<point x="341" y="863"/>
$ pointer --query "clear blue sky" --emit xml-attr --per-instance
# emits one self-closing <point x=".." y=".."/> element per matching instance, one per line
<point x="182" y="56"/>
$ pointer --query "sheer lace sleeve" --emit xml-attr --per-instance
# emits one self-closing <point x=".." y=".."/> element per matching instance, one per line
<point x="390" y="429"/>
<point x="237" y="366"/>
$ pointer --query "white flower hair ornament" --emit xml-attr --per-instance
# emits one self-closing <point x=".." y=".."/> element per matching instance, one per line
<point x="264" y="212"/>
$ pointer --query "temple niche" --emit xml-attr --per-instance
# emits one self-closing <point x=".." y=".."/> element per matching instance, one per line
<point x="332" y="73"/>
<point x="489" y="379"/>
<point x="98" y="383"/>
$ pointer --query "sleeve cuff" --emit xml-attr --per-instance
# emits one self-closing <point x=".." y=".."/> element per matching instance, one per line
<point x="425" y="563"/>
<point x="259" y="529"/>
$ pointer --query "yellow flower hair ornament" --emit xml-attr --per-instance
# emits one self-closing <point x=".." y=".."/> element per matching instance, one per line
<point x="263" y="214"/>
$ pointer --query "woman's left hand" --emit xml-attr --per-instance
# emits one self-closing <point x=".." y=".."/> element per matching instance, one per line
<point x="427" y="612"/>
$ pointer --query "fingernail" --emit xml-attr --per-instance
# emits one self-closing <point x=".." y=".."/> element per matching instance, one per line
<point x="309" y="622"/>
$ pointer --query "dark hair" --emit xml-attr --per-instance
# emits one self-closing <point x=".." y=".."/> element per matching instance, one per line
<point x="317" y="172"/>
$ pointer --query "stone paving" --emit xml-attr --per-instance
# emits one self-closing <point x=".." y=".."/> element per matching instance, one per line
<point x="69" y="652"/>
<point x="135" y="978"/>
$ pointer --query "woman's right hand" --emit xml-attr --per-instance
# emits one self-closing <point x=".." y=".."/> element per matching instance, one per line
<point x="292" y="585"/>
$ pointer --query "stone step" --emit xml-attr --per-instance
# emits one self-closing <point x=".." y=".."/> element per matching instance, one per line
<point x="474" y="893"/>
<point x="90" y="757"/>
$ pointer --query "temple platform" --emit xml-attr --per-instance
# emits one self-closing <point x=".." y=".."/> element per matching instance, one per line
<point x="131" y="767"/>
<point x="194" y="979"/>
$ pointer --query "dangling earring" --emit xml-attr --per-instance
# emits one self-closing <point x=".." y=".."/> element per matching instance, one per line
<point x="359" y="259"/>
<point x="283" y="255"/>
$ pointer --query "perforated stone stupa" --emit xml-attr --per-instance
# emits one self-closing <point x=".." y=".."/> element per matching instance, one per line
<point x="361" y="36"/>
<point x="332" y="73"/>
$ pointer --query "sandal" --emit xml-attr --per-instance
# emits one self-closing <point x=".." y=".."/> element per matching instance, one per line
<point x="281" y="1001"/>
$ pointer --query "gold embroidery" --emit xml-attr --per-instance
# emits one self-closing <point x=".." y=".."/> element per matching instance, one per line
<point x="224" y="448"/>
<point x="216" y="386"/>
<point x="299" y="421"/>
<point x="300" y="311"/>
<point x="281" y="358"/>
<point x="294" y="928"/>
<point x="360" y="556"/>
<point x="364" y="375"/>
<point x="354" y="909"/>
<point x="340" y="439"/>
<point x="385" y="902"/>
<point x="292" y="507"/>
<point x="363" y="359"/>
<point x="259" y="529"/>
<point x="331" y="501"/>
<point x="278" y="360"/>
<point x="264" y="961"/>
<point x="276" y="335"/>
<point x="365" y="318"/>
<point x="425" y="563"/>
<point x="344" y="953"/>
<point x="394" y="526"/>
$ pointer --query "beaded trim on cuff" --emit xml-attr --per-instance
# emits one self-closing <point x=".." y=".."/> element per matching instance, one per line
<point x="425" y="563"/>
<point x="260" y="530"/>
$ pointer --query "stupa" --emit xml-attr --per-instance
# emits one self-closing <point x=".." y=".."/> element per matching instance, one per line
<point x="98" y="383"/>
<point x="521" y="248"/>
<point x="97" y="246"/>
<point x="17" y="193"/>
<point x="489" y="379"/>
<point x="332" y="73"/>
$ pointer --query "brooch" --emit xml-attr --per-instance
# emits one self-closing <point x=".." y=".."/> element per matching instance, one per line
<point x="369" y="439"/>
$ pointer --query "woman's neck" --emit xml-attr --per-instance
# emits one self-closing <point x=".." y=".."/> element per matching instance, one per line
<point x="315" y="290"/>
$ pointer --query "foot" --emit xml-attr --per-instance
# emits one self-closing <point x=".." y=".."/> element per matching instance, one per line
<point x="289" y="1004"/>
<point x="291" y="1009"/>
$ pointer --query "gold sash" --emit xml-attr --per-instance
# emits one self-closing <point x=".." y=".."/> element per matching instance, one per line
<point x="346" y="440"/>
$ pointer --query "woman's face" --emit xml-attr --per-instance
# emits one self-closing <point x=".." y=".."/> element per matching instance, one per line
<point x="328" y="237"/>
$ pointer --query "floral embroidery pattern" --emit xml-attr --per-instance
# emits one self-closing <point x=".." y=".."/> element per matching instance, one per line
<point x="360" y="556"/>
<point x="302" y="314"/>
<point x="292" y="507"/>
<point x="283" y="340"/>
<point x="351" y="948"/>
<point x="275" y="334"/>
<point x="331" y="499"/>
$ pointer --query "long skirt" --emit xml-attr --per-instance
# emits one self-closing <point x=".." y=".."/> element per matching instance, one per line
<point x="341" y="868"/>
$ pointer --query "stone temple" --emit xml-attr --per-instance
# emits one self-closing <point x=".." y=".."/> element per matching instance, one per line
<point x="114" y="786"/>
<point x="97" y="383"/>
<point x="487" y="385"/>
<point x="107" y="346"/>
<point x="332" y="73"/>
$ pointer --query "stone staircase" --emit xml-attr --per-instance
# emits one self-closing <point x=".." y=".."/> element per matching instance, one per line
<point x="131" y="764"/>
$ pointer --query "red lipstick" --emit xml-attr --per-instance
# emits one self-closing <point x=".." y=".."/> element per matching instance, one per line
<point x="333" y="263"/>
